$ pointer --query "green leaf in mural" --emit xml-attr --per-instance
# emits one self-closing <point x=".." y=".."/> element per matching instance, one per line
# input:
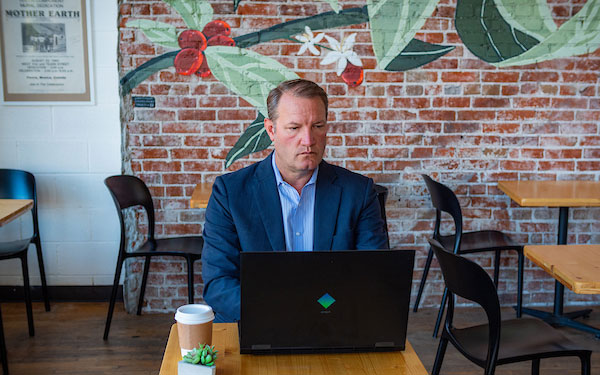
<point x="417" y="53"/>
<point x="577" y="36"/>
<point x="334" y="5"/>
<point x="254" y="139"/>
<point x="327" y="20"/>
<point x="532" y="17"/>
<point x="142" y="72"/>
<point x="247" y="73"/>
<point x="486" y="34"/>
<point x="235" y="4"/>
<point x="394" y="23"/>
<point x="195" y="13"/>
<point x="158" y="32"/>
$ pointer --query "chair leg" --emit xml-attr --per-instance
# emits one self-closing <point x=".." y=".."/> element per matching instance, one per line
<point x="27" y="292"/>
<point x="113" y="296"/>
<point x="438" y="322"/>
<point x="535" y="366"/>
<point x="586" y="363"/>
<point x="3" y="355"/>
<point x="38" y="248"/>
<point x="143" y="286"/>
<point x="439" y="357"/>
<point x="423" y="279"/>
<point x="190" y="264"/>
<point x="496" y="268"/>
<point x="520" y="284"/>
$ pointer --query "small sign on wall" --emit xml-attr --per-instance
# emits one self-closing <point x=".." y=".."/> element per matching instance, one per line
<point x="46" y="52"/>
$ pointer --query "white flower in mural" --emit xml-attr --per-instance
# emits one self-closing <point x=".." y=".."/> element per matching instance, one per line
<point x="341" y="53"/>
<point x="309" y="40"/>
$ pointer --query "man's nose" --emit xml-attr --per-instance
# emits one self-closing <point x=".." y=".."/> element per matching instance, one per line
<point x="307" y="136"/>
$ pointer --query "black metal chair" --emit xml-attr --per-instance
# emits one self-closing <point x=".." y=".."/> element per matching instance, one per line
<point x="382" y="194"/>
<point x="497" y="342"/>
<point x="17" y="184"/>
<point x="444" y="200"/>
<point x="130" y="191"/>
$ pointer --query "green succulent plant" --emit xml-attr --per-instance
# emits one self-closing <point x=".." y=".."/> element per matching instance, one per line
<point x="202" y="355"/>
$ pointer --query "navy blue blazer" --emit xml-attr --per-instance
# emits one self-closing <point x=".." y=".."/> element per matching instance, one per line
<point x="244" y="214"/>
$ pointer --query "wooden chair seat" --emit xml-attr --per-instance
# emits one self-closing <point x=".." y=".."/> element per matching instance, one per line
<point x="173" y="246"/>
<point x="11" y="249"/>
<point x="480" y="241"/>
<point x="520" y="340"/>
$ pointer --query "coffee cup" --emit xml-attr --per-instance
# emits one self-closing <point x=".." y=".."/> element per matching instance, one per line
<point x="194" y="326"/>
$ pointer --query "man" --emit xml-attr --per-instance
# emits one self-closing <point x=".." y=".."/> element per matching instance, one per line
<point x="291" y="201"/>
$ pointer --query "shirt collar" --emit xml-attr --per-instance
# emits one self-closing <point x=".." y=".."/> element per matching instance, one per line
<point x="279" y="180"/>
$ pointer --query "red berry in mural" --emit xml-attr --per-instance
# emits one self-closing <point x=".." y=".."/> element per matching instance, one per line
<point x="188" y="60"/>
<point x="216" y="27"/>
<point x="204" y="70"/>
<point x="192" y="39"/>
<point x="353" y="75"/>
<point x="221" y="40"/>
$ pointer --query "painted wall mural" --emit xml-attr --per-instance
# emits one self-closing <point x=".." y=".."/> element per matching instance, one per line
<point x="502" y="33"/>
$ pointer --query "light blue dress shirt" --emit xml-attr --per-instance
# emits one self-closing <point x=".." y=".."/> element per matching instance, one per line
<point x="298" y="211"/>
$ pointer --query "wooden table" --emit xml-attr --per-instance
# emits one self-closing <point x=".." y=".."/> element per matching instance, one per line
<point x="201" y="195"/>
<point x="561" y="194"/>
<point x="230" y="361"/>
<point x="11" y="209"/>
<point x="576" y="266"/>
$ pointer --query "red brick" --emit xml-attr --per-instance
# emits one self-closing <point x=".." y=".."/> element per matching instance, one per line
<point x="196" y="115"/>
<point x="491" y="102"/>
<point x="189" y="153"/>
<point x="513" y="165"/>
<point x="539" y="76"/>
<point x="588" y="166"/>
<point x="460" y="76"/>
<point x="476" y="115"/>
<point x="437" y="115"/>
<point x="500" y="77"/>
<point x="161" y="166"/>
<point x="556" y="165"/>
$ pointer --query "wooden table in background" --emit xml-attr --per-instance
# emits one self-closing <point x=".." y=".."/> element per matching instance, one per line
<point x="576" y="266"/>
<point x="230" y="361"/>
<point x="201" y="195"/>
<point x="11" y="209"/>
<point x="561" y="194"/>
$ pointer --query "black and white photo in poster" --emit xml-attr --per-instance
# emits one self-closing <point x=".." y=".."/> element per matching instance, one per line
<point x="45" y="52"/>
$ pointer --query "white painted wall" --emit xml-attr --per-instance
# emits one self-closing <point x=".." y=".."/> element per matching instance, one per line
<point x="70" y="150"/>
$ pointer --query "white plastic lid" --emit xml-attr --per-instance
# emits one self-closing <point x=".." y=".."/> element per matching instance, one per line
<point x="194" y="314"/>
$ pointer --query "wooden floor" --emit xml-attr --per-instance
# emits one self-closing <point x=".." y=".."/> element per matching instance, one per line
<point x="69" y="341"/>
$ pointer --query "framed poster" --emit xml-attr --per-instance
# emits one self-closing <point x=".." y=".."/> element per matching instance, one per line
<point x="46" y="52"/>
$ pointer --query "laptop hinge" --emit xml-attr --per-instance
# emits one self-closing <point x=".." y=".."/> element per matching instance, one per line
<point x="261" y="347"/>
<point x="384" y="344"/>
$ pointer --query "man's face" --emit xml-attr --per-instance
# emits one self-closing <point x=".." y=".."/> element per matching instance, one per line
<point x="299" y="134"/>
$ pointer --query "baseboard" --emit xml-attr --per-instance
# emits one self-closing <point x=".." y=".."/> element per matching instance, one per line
<point x="62" y="293"/>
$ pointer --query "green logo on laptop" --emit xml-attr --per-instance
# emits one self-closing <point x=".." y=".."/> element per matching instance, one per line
<point x="326" y="300"/>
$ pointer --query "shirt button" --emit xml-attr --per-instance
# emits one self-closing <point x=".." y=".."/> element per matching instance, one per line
<point x="297" y="233"/>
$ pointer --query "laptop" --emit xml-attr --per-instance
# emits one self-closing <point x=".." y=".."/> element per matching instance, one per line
<point x="324" y="301"/>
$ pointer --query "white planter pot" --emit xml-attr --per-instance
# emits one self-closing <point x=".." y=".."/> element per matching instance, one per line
<point x="185" y="368"/>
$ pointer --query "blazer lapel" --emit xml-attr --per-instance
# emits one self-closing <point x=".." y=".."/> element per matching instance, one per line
<point x="267" y="200"/>
<point x="327" y="203"/>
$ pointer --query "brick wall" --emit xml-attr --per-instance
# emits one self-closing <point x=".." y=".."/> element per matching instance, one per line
<point x="458" y="119"/>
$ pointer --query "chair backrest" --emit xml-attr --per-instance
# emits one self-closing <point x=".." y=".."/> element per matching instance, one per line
<point x="382" y="194"/>
<point x="18" y="184"/>
<point x="467" y="279"/>
<point x="129" y="191"/>
<point x="444" y="200"/>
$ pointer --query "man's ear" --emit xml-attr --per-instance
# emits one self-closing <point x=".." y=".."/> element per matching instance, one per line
<point x="270" y="128"/>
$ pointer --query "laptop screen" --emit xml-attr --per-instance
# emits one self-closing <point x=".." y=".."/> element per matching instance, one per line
<point x="333" y="301"/>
